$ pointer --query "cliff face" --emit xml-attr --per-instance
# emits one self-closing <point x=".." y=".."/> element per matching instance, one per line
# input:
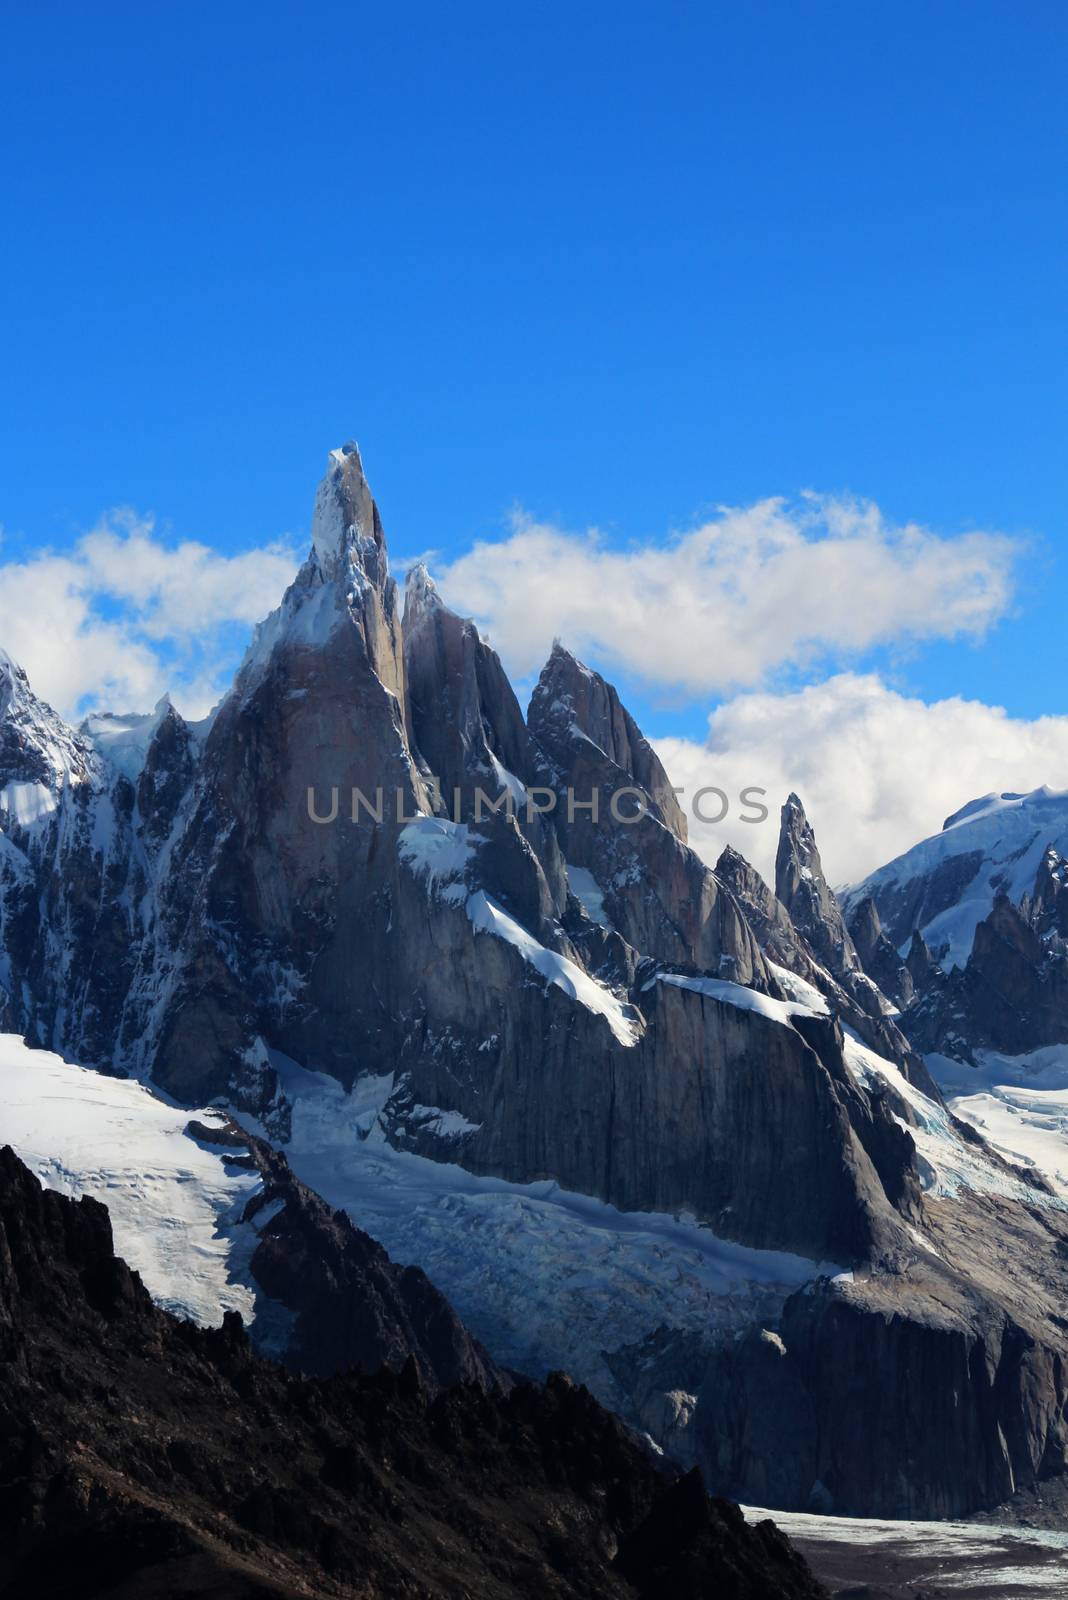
<point x="957" y="1363"/>
<point x="146" y="1456"/>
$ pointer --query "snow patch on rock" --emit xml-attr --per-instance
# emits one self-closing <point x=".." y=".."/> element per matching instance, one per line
<point x="488" y="917"/>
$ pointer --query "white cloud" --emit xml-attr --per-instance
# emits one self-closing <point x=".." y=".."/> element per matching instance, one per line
<point x="123" y="616"/>
<point x="727" y="605"/>
<point x="876" y="770"/>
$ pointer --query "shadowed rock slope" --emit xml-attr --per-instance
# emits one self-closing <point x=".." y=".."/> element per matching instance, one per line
<point x="352" y="1308"/>
<point x="142" y="1457"/>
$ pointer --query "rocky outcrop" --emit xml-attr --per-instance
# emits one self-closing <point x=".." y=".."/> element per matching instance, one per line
<point x="877" y="955"/>
<point x="166" y="777"/>
<point x="813" y="908"/>
<point x="1012" y="993"/>
<point x="944" y="1358"/>
<point x="1045" y="908"/>
<point x="149" y="1455"/>
<point x="801" y="886"/>
<point x="352" y="1308"/>
<point x="470" y="733"/>
<point x="71" y="878"/>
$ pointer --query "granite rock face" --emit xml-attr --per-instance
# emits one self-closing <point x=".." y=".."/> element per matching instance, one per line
<point x="957" y="1364"/>
<point x="877" y="955"/>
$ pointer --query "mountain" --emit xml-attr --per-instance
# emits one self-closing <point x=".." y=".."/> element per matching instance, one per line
<point x="802" y="925"/>
<point x="978" y="914"/>
<point x="947" y="884"/>
<point x="652" y="1120"/>
<point x="143" y="1456"/>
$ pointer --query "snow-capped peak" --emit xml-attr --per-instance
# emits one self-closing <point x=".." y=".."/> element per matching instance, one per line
<point x="421" y="597"/>
<point x="347" y="567"/>
<point x="988" y="804"/>
<point x="124" y="737"/>
<point x="36" y="745"/>
<point x="345" y="525"/>
<point x="12" y="677"/>
<point x="946" y="885"/>
<point x="8" y="678"/>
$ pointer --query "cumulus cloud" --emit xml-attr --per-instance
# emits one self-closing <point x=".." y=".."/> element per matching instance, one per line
<point x="123" y="616"/>
<point x="737" y="599"/>
<point x="877" y="770"/>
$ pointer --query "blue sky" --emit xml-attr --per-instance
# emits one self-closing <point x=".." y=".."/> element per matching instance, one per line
<point x="613" y="264"/>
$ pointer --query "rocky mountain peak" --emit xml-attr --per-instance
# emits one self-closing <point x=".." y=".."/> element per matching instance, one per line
<point x="421" y="597"/>
<point x="344" y="587"/>
<point x="37" y="748"/>
<point x="865" y="924"/>
<point x="346" y="528"/>
<point x="815" y="913"/>
<point x="573" y="701"/>
<point x="1047" y="902"/>
<point x="795" y="827"/>
<point x="12" y="678"/>
<point x="9" y="670"/>
<point x="920" y="962"/>
<point x="877" y="955"/>
<point x="801" y="885"/>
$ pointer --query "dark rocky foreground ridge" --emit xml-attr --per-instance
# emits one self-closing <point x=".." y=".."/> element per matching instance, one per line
<point x="348" y="1306"/>
<point x="141" y="1457"/>
<point x="549" y="999"/>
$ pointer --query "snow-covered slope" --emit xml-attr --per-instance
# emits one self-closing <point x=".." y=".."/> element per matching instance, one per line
<point x="175" y="1204"/>
<point x="946" y="885"/>
<point x="1018" y="1103"/>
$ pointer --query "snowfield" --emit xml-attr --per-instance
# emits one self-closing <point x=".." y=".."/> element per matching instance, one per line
<point x="1018" y="1103"/>
<point x="175" y="1204"/>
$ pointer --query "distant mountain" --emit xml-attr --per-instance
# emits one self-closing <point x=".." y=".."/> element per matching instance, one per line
<point x="666" y="1123"/>
<point x="979" y="912"/>
<point x="946" y="885"/>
